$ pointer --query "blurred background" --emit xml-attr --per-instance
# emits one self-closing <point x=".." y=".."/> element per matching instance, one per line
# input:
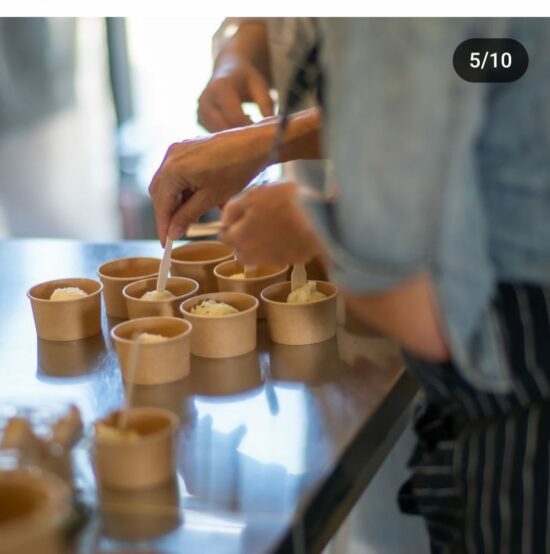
<point x="88" y="107"/>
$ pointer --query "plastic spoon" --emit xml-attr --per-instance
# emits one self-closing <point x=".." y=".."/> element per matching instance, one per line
<point x="164" y="266"/>
<point x="298" y="277"/>
<point x="250" y="271"/>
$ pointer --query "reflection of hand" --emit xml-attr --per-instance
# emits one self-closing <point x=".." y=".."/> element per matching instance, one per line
<point x="235" y="80"/>
<point x="269" y="226"/>
<point x="199" y="174"/>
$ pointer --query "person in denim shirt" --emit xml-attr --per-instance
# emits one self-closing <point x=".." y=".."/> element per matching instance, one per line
<point x="440" y="235"/>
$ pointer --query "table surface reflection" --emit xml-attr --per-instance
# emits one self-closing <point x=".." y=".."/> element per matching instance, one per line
<point x="273" y="447"/>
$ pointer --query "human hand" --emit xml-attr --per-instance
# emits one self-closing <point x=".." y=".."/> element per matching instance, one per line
<point x="235" y="80"/>
<point x="269" y="226"/>
<point x="199" y="174"/>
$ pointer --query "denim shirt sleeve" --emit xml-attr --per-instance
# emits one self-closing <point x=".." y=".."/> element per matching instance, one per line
<point x="402" y="130"/>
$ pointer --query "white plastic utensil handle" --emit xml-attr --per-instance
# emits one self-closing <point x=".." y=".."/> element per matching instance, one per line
<point x="203" y="229"/>
<point x="250" y="271"/>
<point x="164" y="266"/>
<point x="298" y="277"/>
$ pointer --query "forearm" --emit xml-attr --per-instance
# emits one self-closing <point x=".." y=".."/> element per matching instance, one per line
<point x="409" y="313"/>
<point x="249" y="43"/>
<point x="301" y="141"/>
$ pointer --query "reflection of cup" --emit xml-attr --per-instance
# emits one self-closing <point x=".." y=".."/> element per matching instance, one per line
<point x="227" y="376"/>
<point x="33" y="507"/>
<point x="139" y="462"/>
<point x="73" y="319"/>
<point x="304" y="323"/>
<point x="173" y="396"/>
<point x="70" y="358"/>
<point x="265" y="276"/>
<point x="180" y="287"/>
<point x="116" y="274"/>
<point x="197" y="260"/>
<point x="140" y="515"/>
<point x="223" y="336"/>
<point x="309" y="363"/>
<point x="157" y="362"/>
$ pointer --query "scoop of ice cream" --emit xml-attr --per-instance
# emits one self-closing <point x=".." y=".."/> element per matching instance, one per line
<point x="157" y="295"/>
<point x="211" y="307"/>
<point x="67" y="293"/>
<point x="149" y="338"/>
<point x="237" y="276"/>
<point x="114" y="434"/>
<point x="305" y="294"/>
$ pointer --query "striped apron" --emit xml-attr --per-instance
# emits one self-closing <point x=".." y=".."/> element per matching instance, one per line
<point x="480" y="470"/>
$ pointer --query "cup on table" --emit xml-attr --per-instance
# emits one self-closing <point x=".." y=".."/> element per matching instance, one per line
<point x="197" y="260"/>
<point x="137" y="463"/>
<point x="34" y="506"/>
<point x="65" y="320"/>
<point x="116" y="274"/>
<point x="180" y="287"/>
<point x="265" y="276"/>
<point x="303" y="323"/>
<point x="222" y="336"/>
<point x="157" y="362"/>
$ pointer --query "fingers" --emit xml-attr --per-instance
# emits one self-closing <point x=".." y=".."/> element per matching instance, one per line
<point x="259" y="92"/>
<point x="187" y="213"/>
<point x="229" y="104"/>
<point x="165" y="202"/>
<point x="233" y="211"/>
<point x="220" y="108"/>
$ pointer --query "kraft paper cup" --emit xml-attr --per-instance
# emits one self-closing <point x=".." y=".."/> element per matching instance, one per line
<point x="265" y="276"/>
<point x="140" y="514"/>
<point x="63" y="320"/>
<point x="224" y="336"/>
<point x="116" y="274"/>
<point x="145" y="462"/>
<point x="157" y="363"/>
<point x="297" y="324"/>
<point x="197" y="260"/>
<point x="34" y="507"/>
<point x="227" y="376"/>
<point x="180" y="287"/>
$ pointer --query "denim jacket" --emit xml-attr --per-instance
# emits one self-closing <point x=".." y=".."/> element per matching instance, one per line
<point x="438" y="174"/>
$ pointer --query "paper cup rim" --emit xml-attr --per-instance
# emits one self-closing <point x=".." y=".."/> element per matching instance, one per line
<point x="162" y="300"/>
<point x="299" y="304"/>
<point x="249" y="279"/>
<point x="181" y="335"/>
<point x="170" y="429"/>
<point x="217" y="260"/>
<point x="137" y="278"/>
<point x="213" y="295"/>
<point x="68" y="300"/>
<point x="51" y="486"/>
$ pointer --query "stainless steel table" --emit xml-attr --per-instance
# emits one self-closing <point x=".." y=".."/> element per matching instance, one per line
<point x="274" y="447"/>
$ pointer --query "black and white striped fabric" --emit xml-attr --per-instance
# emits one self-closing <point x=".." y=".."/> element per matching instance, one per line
<point x="480" y="471"/>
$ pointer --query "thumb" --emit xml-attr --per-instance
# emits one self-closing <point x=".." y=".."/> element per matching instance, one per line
<point x="187" y="213"/>
<point x="233" y="211"/>
<point x="259" y="92"/>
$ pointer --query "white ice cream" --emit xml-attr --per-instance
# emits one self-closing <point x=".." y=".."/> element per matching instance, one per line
<point x="238" y="276"/>
<point x="211" y="307"/>
<point x="157" y="295"/>
<point x="114" y="434"/>
<point x="67" y="293"/>
<point x="305" y="294"/>
<point x="149" y="338"/>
